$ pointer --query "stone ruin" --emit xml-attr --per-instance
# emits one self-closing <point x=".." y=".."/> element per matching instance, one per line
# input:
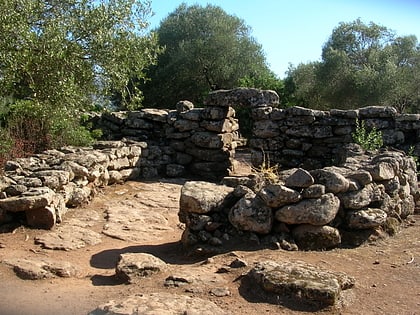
<point x="326" y="193"/>
<point x="361" y="193"/>
<point x="365" y="198"/>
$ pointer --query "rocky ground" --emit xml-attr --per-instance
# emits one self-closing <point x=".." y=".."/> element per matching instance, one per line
<point x="77" y="261"/>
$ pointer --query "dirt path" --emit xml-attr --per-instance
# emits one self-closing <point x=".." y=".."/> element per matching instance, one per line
<point x="387" y="273"/>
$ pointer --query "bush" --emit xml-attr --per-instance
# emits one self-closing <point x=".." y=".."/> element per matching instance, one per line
<point x="368" y="140"/>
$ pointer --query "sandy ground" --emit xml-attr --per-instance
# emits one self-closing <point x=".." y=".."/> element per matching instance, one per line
<point x="387" y="273"/>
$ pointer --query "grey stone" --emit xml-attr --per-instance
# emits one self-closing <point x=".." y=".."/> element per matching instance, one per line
<point x="382" y="171"/>
<point x="131" y="267"/>
<point x="300" y="178"/>
<point x="183" y="106"/>
<point x="68" y="237"/>
<point x="357" y="199"/>
<point x="30" y="269"/>
<point x="251" y="214"/>
<point x="366" y="218"/>
<point x="275" y="195"/>
<point x="202" y="197"/>
<point x="318" y="211"/>
<point x="311" y="237"/>
<point x="333" y="181"/>
<point x="313" y="191"/>
<point x="301" y="280"/>
<point x="245" y="97"/>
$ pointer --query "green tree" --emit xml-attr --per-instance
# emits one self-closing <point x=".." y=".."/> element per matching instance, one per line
<point x="63" y="57"/>
<point x="361" y="65"/>
<point x="206" y="49"/>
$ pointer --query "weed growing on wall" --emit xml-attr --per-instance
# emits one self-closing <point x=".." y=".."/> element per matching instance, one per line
<point x="367" y="139"/>
<point x="267" y="171"/>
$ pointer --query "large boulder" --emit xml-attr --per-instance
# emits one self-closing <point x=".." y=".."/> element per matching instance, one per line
<point x="250" y="213"/>
<point x="202" y="197"/>
<point x="318" y="211"/>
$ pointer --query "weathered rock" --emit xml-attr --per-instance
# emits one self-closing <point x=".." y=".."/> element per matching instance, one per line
<point x="134" y="266"/>
<point x="382" y="171"/>
<point x="318" y="211"/>
<point x="357" y="199"/>
<point x="132" y="220"/>
<point x="251" y="214"/>
<point x="300" y="179"/>
<point x="30" y="269"/>
<point x="34" y="198"/>
<point x="301" y="280"/>
<point x="313" y="191"/>
<point x="183" y="106"/>
<point x="366" y="219"/>
<point x="159" y="303"/>
<point x="246" y="97"/>
<point x="202" y="197"/>
<point x="333" y="181"/>
<point x="275" y="195"/>
<point x="68" y="237"/>
<point x="311" y="237"/>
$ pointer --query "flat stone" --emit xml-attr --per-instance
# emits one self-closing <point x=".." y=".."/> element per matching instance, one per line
<point x="301" y="280"/>
<point x="159" y="304"/>
<point x="31" y="269"/>
<point x="132" y="220"/>
<point x="68" y="237"/>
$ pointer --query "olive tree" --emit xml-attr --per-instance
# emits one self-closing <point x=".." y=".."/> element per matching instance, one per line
<point x="205" y="49"/>
<point x="58" y="58"/>
<point x="362" y="64"/>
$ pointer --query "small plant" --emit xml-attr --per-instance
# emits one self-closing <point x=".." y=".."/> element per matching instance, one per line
<point x="267" y="171"/>
<point x="368" y="140"/>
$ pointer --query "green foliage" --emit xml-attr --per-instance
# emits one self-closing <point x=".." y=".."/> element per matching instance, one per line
<point x="60" y="58"/>
<point x="362" y="65"/>
<point x="367" y="139"/>
<point x="205" y="49"/>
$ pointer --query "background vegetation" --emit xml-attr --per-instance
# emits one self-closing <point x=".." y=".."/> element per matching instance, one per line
<point x="60" y="59"/>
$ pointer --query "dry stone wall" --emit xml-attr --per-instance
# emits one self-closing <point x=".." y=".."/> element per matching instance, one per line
<point x="40" y="189"/>
<point x="184" y="142"/>
<point x="364" y="198"/>
<point x="201" y="142"/>
<point x="302" y="137"/>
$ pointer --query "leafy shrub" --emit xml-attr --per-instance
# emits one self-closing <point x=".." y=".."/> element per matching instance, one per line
<point x="367" y="139"/>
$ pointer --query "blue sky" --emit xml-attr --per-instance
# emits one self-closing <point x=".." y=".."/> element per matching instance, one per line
<point x="294" y="31"/>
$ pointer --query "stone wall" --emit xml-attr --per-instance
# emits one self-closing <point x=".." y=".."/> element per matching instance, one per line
<point x="364" y="198"/>
<point x="301" y="137"/>
<point x="184" y="142"/>
<point x="40" y="189"/>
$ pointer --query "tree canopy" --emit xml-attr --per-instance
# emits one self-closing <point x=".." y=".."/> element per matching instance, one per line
<point x="205" y="49"/>
<point x="60" y="57"/>
<point x="362" y="64"/>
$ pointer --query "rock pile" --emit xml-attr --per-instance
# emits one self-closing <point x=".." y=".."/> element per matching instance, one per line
<point x="319" y="209"/>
